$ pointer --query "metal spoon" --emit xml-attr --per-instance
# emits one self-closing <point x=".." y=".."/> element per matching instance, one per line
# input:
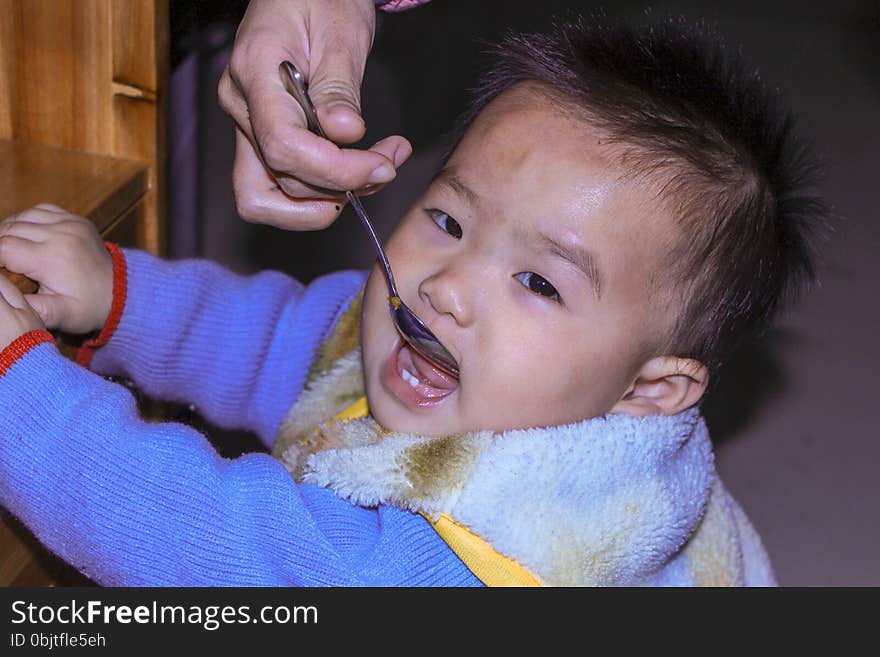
<point x="410" y="327"/>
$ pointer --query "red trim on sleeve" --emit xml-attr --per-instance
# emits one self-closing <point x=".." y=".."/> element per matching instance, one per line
<point x="20" y="346"/>
<point x="120" y="286"/>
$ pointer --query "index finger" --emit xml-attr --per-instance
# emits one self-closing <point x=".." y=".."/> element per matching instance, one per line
<point x="40" y="214"/>
<point x="10" y="293"/>
<point x="287" y="147"/>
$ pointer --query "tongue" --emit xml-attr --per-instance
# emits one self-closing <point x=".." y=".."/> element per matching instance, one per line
<point x="427" y="373"/>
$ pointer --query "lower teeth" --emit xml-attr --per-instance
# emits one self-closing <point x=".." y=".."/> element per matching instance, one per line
<point x="409" y="378"/>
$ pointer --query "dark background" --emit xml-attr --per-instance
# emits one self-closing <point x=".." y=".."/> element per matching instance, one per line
<point x="790" y="418"/>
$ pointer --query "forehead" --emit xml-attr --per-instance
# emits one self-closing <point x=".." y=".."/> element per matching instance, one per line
<point x="543" y="169"/>
<point x="524" y="135"/>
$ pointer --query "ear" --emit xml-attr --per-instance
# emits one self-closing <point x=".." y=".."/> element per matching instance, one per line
<point x="665" y="385"/>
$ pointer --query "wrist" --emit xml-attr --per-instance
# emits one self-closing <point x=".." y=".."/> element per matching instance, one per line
<point x="20" y="346"/>
<point x="120" y="286"/>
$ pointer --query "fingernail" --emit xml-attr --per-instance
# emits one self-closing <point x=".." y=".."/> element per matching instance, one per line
<point x="382" y="174"/>
<point x="401" y="153"/>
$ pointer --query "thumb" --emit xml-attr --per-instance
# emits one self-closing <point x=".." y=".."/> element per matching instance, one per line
<point x="335" y="92"/>
<point x="336" y="70"/>
<point x="49" y="308"/>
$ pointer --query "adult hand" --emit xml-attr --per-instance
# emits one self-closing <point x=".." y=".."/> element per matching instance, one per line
<point x="65" y="254"/>
<point x="283" y="174"/>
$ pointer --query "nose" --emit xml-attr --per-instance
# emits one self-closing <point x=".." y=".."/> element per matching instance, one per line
<point x="448" y="292"/>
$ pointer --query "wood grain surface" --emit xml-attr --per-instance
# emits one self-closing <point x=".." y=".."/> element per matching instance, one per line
<point x="90" y="75"/>
<point x="83" y="109"/>
<point x="102" y="188"/>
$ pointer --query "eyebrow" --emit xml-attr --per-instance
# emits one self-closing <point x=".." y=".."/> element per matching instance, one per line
<point x="447" y="176"/>
<point x="580" y="258"/>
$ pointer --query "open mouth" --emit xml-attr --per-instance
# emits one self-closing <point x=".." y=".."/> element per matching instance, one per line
<point x="414" y="380"/>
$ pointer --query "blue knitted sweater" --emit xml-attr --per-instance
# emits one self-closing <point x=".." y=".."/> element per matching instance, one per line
<point x="135" y="503"/>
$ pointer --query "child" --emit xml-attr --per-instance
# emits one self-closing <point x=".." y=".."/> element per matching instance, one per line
<point x="621" y="208"/>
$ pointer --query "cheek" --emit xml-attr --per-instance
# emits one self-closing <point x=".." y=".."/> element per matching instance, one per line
<point x="404" y="244"/>
<point x="372" y="318"/>
<point x="416" y="245"/>
<point x="518" y="369"/>
<point x="543" y="374"/>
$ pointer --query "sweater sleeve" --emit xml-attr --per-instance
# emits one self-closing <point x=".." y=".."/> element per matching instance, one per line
<point x="134" y="503"/>
<point x="236" y="347"/>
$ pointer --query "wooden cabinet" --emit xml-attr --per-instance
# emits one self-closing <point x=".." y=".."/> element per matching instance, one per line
<point x="110" y="191"/>
<point x="90" y="75"/>
<point x="82" y="125"/>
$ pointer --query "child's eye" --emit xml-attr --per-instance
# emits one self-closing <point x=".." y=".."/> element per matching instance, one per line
<point x="447" y="224"/>
<point x="538" y="284"/>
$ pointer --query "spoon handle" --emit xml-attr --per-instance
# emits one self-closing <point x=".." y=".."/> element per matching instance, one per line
<point x="362" y="214"/>
<point x="299" y="89"/>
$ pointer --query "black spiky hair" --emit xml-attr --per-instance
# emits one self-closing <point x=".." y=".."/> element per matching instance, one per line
<point x="689" y="113"/>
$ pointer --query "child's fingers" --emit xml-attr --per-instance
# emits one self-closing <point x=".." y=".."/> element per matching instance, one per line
<point x="51" y="208"/>
<point x="56" y="221"/>
<point x="11" y="295"/>
<point x="50" y="308"/>
<point x="19" y="255"/>
<point x="16" y="315"/>
<point x="25" y="230"/>
<point x="38" y="215"/>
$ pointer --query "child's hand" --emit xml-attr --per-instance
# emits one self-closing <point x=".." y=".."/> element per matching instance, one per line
<point x="16" y="316"/>
<point x="67" y="257"/>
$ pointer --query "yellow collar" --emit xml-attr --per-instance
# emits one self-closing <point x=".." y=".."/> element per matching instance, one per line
<point x="491" y="567"/>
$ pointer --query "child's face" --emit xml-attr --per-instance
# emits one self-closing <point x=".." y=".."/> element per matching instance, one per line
<point x="532" y="262"/>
